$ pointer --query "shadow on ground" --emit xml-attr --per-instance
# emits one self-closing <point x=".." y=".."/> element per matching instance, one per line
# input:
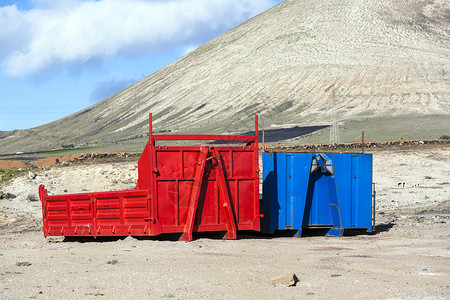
<point x="384" y="227"/>
<point x="280" y="134"/>
<point x="242" y="235"/>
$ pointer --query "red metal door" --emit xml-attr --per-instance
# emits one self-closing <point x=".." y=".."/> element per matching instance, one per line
<point x="202" y="188"/>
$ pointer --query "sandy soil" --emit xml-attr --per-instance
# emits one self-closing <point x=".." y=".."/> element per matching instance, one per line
<point x="409" y="257"/>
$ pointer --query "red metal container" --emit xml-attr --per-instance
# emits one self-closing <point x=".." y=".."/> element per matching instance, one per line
<point x="180" y="189"/>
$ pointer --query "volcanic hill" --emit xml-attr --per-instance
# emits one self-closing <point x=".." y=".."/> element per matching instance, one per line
<point x="382" y="66"/>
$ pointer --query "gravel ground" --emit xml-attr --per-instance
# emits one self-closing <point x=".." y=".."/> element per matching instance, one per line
<point x="409" y="257"/>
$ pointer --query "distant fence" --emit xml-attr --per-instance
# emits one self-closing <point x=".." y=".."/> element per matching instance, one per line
<point x="358" y="145"/>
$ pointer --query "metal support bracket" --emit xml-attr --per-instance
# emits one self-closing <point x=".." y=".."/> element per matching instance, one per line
<point x="193" y="201"/>
<point x="218" y="168"/>
<point x="226" y="199"/>
<point x="321" y="161"/>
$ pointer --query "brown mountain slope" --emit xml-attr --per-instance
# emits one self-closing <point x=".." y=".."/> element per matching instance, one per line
<point x="384" y="60"/>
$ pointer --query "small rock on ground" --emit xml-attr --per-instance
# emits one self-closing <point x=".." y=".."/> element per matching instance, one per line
<point x="32" y="197"/>
<point x="287" y="279"/>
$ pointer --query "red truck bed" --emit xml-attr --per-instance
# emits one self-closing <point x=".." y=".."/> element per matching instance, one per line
<point x="180" y="189"/>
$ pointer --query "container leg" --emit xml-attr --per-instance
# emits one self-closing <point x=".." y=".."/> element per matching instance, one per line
<point x="232" y="231"/>
<point x="335" y="232"/>
<point x="334" y="209"/>
<point x="298" y="233"/>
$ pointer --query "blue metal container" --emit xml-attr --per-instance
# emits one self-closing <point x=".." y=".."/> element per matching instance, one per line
<point x="317" y="190"/>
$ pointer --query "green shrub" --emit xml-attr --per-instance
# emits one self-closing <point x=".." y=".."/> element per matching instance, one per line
<point x="69" y="146"/>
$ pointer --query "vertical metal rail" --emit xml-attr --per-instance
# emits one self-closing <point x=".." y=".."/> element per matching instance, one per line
<point x="374" y="193"/>
<point x="263" y="142"/>
<point x="42" y="197"/>
<point x="257" y="210"/>
<point x="152" y="176"/>
<point x="362" y="143"/>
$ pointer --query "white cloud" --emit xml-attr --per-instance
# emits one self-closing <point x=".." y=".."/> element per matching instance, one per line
<point x="55" y="34"/>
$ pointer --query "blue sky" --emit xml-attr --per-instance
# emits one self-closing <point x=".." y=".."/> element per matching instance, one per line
<point x="60" y="56"/>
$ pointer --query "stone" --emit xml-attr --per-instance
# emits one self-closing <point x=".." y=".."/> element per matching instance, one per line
<point x="286" y="279"/>
<point x="9" y="196"/>
<point x="32" y="198"/>
<point x="31" y="175"/>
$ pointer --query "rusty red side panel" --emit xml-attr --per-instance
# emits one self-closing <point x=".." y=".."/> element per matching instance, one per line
<point x="179" y="190"/>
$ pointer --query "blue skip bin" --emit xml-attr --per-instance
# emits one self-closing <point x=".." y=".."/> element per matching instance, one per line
<point x="317" y="190"/>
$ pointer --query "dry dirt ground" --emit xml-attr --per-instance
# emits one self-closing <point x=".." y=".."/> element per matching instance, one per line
<point x="409" y="257"/>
